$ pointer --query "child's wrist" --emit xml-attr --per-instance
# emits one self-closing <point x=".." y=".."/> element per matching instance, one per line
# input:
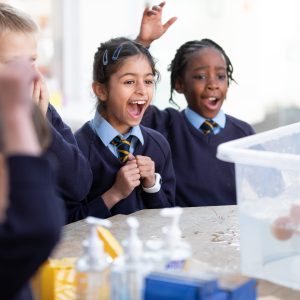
<point x="19" y="136"/>
<point x="111" y="197"/>
<point x="149" y="181"/>
<point x="145" y="43"/>
<point x="155" y="187"/>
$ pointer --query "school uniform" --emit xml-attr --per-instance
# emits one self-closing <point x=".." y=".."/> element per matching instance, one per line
<point x="201" y="178"/>
<point x="94" y="141"/>
<point x="74" y="172"/>
<point x="32" y="225"/>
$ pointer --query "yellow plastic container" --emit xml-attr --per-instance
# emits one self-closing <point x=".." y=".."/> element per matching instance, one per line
<point x="55" y="280"/>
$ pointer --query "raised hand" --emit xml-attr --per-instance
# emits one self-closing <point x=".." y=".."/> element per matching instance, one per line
<point x="152" y="27"/>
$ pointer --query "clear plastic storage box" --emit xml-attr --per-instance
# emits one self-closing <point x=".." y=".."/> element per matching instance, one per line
<point x="267" y="168"/>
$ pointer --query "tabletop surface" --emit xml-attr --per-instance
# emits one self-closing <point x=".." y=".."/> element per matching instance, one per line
<point x="212" y="232"/>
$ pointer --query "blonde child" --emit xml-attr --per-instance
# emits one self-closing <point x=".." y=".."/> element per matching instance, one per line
<point x="31" y="213"/>
<point x="18" y="40"/>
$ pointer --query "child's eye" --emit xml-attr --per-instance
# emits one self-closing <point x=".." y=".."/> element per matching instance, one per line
<point x="129" y="82"/>
<point x="200" y="77"/>
<point x="222" y="77"/>
<point x="149" y="82"/>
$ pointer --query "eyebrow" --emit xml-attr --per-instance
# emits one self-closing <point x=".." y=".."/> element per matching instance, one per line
<point x="134" y="74"/>
<point x="206" y="67"/>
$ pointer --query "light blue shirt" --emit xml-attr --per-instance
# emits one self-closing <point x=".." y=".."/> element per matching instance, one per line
<point x="107" y="133"/>
<point x="196" y="120"/>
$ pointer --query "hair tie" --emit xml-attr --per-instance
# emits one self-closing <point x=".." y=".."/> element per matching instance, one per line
<point x="117" y="53"/>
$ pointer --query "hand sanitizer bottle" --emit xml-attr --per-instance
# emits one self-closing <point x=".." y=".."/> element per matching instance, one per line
<point x="176" y="251"/>
<point x="129" y="270"/>
<point x="92" y="266"/>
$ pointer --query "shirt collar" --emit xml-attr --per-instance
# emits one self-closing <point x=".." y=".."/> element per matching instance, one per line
<point x="106" y="132"/>
<point x="196" y="120"/>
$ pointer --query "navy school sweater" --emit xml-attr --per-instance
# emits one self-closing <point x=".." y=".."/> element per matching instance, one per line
<point x="73" y="170"/>
<point x="32" y="226"/>
<point x="105" y="167"/>
<point x="201" y="178"/>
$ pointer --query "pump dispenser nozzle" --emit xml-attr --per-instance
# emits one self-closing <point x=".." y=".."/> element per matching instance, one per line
<point x="172" y="231"/>
<point x="129" y="270"/>
<point x="94" y="258"/>
<point x="176" y="250"/>
<point x="133" y="245"/>
<point x="92" y="266"/>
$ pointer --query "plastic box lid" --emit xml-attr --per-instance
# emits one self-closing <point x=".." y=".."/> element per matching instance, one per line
<point x="276" y="148"/>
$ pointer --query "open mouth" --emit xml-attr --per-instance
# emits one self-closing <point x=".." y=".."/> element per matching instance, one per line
<point x="212" y="101"/>
<point x="136" y="108"/>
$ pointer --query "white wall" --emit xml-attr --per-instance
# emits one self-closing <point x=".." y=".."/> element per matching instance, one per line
<point x="261" y="37"/>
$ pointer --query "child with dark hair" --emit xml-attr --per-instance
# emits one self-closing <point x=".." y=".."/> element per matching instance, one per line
<point x="18" y="39"/>
<point x="202" y="72"/>
<point x="131" y="165"/>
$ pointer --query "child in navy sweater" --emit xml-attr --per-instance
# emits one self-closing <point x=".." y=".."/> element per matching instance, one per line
<point x="18" y="38"/>
<point x="31" y="213"/>
<point x="201" y="71"/>
<point x="131" y="164"/>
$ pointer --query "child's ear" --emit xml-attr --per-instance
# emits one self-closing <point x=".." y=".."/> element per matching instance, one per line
<point x="179" y="86"/>
<point x="100" y="91"/>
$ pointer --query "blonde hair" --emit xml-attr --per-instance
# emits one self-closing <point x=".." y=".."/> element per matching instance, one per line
<point x="13" y="19"/>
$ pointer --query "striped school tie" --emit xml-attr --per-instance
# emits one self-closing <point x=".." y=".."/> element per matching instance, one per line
<point x="208" y="126"/>
<point x="123" y="146"/>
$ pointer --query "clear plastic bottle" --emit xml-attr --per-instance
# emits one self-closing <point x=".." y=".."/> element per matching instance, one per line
<point x="129" y="270"/>
<point x="176" y="252"/>
<point x="92" y="268"/>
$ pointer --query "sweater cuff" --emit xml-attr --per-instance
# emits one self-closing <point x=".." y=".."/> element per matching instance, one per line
<point x="153" y="200"/>
<point x="98" y="209"/>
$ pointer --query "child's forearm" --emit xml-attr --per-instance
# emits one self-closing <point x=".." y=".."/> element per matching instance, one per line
<point x="19" y="135"/>
<point x="111" y="197"/>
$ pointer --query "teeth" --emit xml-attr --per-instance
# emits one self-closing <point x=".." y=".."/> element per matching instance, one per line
<point x="138" y="102"/>
<point x="212" y="98"/>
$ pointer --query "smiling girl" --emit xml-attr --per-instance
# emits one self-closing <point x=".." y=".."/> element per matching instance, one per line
<point x="131" y="164"/>
<point x="202" y="72"/>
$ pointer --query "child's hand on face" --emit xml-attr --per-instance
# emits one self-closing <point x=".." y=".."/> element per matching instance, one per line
<point x="16" y="108"/>
<point x="15" y="80"/>
<point x="40" y="94"/>
<point x="147" y="170"/>
<point x="151" y="26"/>
<point x="128" y="178"/>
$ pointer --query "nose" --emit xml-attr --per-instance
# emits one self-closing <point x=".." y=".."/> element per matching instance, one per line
<point x="140" y="88"/>
<point x="212" y="83"/>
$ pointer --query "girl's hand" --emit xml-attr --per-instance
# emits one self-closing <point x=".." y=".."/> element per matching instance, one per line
<point x="40" y="94"/>
<point x="151" y="25"/>
<point x="147" y="170"/>
<point x="128" y="178"/>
